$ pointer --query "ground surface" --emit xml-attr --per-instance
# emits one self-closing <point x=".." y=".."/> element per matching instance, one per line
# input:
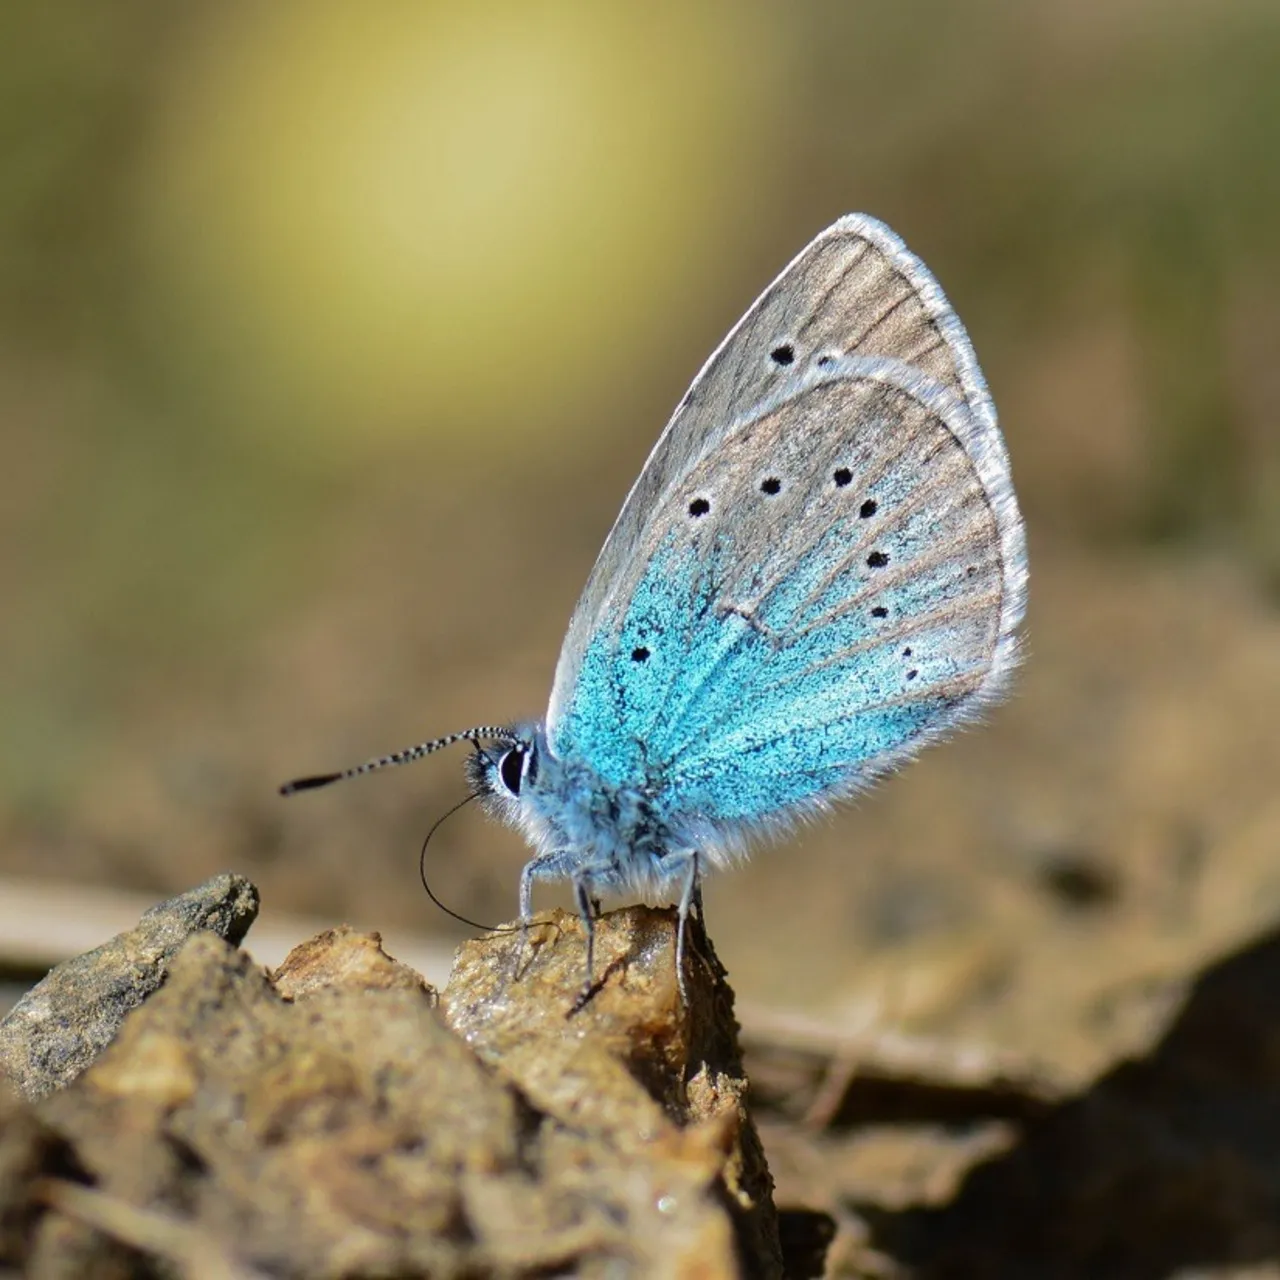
<point x="1087" y="880"/>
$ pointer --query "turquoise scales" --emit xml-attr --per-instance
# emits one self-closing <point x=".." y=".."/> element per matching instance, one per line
<point x="749" y="666"/>
<point x="820" y="569"/>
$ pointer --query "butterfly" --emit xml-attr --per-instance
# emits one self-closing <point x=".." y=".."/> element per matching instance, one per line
<point x="820" y="569"/>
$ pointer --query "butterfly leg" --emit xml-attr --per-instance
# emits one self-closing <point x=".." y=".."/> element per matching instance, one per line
<point x="588" y="909"/>
<point x="546" y="866"/>
<point x="690" y="897"/>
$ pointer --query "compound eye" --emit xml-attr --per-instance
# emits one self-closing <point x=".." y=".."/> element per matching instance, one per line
<point x="511" y="770"/>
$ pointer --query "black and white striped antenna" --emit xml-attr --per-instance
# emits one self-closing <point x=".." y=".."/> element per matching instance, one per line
<point x="493" y="732"/>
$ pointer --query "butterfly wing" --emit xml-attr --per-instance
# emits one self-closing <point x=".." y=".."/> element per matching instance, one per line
<point x="822" y="563"/>
<point x="854" y="289"/>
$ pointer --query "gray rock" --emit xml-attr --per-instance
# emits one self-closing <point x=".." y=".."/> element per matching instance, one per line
<point x="63" y="1023"/>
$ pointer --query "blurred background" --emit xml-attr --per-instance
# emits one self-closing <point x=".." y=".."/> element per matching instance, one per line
<point x="332" y="337"/>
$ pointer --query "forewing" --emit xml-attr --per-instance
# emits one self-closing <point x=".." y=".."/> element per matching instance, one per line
<point x="809" y="603"/>
<point x="854" y="290"/>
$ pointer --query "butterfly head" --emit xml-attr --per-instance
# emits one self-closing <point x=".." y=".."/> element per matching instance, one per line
<point x="558" y="803"/>
<point x="511" y="774"/>
<point x="501" y="771"/>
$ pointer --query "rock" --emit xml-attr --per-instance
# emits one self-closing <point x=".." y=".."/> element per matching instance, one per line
<point x="654" y="1086"/>
<point x="338" y="1118"/>
<point x="1166" y="1165"/>
<point x="29" y="1150"/>
<point x="341" y="959"/>
<point x="63" y="1023"/>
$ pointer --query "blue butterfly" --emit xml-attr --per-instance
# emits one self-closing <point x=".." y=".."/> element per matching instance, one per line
<point x="820" y="569"/>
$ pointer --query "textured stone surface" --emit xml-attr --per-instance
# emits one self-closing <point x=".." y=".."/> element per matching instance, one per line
<point x="63" y="1023"/>
<point x="29" y="1150"/>
<point x="655" y="1086"/>
<point x="338" y="1118"/>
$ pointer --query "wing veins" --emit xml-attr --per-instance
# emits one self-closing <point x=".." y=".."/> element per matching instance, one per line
<point x="878" y="467"/>
<point x="903" y="631"/>
<point x="884" y="315"/>
<point x="953" y="690"/>
<point x="905" y="569"/>
<point x="881" y="464"/>
<point x="817" y="307"/>
<point x="902" y="513"/>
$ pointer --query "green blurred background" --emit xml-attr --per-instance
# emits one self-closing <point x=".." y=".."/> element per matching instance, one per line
<point x="332" y="336"/>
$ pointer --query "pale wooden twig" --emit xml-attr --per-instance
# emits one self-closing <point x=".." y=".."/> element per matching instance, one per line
<point x="886" y="1052"/>
<point x="43" y="923"/>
